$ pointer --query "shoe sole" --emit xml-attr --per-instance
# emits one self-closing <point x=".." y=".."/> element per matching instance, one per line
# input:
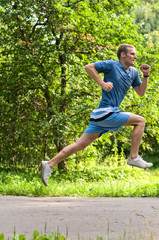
<point x="138" y="166"/>
<point x="42" y="171"/>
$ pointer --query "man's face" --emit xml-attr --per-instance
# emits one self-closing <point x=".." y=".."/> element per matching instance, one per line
<point x="130" y="57"/>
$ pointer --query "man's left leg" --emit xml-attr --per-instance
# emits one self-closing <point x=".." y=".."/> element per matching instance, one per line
<point x="85" y="140"/>
<point x="139" y="124"/>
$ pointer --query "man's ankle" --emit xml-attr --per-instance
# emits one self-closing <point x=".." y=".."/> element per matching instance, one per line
<point x="133" y="157"/>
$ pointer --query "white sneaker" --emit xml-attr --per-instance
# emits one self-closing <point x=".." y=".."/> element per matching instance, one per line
<point x="139" y="162"/>
<point x="45" y="172"/>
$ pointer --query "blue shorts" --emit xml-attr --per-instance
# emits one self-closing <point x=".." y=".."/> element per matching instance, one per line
<point x="112" y="122"/>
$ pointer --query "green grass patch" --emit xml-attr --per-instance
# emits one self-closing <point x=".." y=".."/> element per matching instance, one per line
<point x="109" y="179"/>
<point x="57" y="236"/>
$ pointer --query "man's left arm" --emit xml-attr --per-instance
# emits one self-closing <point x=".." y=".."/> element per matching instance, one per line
<point x="141" y="89"/>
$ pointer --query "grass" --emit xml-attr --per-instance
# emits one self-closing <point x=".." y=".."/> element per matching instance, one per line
<point x="57" y="236"/>
<point x="109" y="179"/>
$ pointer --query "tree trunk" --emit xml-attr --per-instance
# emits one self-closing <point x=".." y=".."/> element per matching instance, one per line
<point x="60" y="144"/>
<point x="62" y="165"/>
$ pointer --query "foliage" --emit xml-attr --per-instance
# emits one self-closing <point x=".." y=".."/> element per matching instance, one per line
<point x="147" y="16"/>
<point x="45" y="96"/>
<point x="109" y="179"/>
<point x="44" y="46"/>
<point x="36" y="236"/>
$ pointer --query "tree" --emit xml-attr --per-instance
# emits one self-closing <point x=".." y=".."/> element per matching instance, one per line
<point x="147" y="16"/>
<point x="45" y="92"/>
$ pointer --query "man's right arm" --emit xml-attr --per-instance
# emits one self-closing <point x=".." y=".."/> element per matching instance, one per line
<point x="91" y="70"/>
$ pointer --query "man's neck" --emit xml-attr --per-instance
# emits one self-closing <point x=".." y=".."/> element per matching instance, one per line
<point x="124" y="64"/>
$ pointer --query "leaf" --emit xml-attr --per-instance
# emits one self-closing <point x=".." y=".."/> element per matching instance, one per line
<point x="2" y="236"/>
<point x="22" y="237"/>
<point x="35" y="234"/>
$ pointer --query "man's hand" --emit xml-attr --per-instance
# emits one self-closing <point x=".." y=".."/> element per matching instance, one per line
<point x="91" y="70"/>
<point x="141" y="89"/>
<point x="107" y="86"/>
<point x="145" y="69"/>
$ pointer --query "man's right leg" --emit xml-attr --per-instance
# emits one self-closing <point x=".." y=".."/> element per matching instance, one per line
<point x="85" y="140"/>
<point x="138" y="123"/>
<point x="134" y="159"/>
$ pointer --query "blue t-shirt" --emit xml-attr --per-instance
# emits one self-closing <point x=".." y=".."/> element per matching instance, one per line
<point x="122" y="80"/>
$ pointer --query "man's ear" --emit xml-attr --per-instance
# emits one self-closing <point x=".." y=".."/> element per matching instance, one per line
<point x="123" y="54"/>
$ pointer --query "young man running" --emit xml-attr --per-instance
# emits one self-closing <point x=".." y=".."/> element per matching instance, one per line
<point x="119" y="76"/>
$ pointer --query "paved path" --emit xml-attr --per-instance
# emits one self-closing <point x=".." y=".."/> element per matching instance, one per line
<point x="84" y="218"/>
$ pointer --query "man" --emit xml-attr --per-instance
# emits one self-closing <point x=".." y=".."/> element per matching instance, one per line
<point x="119" y="76"/>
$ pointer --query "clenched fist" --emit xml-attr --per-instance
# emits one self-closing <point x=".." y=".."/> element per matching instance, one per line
<point x="145" y="69"/>
<point x="107" y="86"/>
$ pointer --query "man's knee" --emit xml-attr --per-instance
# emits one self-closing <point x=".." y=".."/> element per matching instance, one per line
<point x="142" y="121"/>
<point x="135" y="120"/>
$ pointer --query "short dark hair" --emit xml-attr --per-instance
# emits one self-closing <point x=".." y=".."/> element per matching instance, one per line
<point x="123" y="48"/>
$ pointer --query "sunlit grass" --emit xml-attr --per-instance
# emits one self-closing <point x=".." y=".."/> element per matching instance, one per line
<point x="115" y="179"/>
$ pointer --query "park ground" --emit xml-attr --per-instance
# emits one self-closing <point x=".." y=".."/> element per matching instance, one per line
<point x="81" y="218"/>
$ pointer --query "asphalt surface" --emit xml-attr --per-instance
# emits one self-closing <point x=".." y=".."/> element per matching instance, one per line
<point x="81" y="218"/>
